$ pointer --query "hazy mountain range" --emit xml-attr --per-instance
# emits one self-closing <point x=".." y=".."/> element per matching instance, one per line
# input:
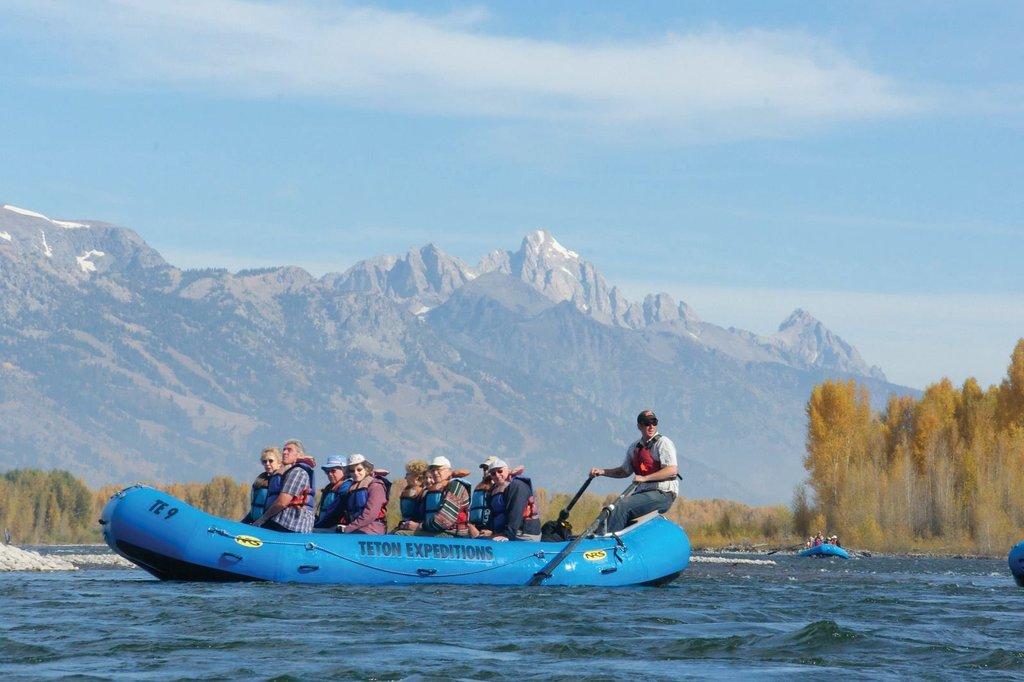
<point x="119" y="366"/>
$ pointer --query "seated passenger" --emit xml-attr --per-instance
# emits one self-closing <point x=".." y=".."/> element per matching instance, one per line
<point x="366" y="503"/>
<point x="445" y="504"/>
<point x="332" y="496"/>
<point x="290" y="492"/>
<point x="411" y="499"/>
<point x="513" y="513"/>
<point x="819" y="539"/>
<point x="835" y="540"/>
<point x="479" y="514"/>
<point x="270" y="458"/>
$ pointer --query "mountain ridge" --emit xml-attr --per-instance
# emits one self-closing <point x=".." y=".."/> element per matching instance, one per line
<point x="398" y="354"/>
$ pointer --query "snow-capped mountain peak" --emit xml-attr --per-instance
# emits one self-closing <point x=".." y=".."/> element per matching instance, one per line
<point x="807" y="342"/>
<point x="542" y="241"/>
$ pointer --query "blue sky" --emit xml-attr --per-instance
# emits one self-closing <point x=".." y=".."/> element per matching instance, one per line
<point x="863" y="161"/>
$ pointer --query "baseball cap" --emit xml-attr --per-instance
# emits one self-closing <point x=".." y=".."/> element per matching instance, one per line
<point x="441" y="462"/>
<point x="334" y="462"/>
<point x="497" y="464"/>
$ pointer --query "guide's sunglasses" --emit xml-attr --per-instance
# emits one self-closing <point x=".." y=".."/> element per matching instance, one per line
<point x="648" y="421"/>
<point x="267" y="461"/>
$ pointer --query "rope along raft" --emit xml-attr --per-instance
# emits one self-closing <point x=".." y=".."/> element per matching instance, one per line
<point x="313" y="547"/>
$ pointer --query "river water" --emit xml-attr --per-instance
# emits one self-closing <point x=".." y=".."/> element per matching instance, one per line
<point x="870" y="617"/>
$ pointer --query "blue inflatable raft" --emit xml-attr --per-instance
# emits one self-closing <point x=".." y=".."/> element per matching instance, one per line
<point x="826" y="550"/>
<point x="175" y="541"/>
<point x="1016" y="559"/>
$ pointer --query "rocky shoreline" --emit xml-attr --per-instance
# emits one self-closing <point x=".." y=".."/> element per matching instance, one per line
<point x="17" y="559"/>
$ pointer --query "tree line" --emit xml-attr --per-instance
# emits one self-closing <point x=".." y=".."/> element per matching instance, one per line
<point x="943" y="472"/>
<point x="52" y="507"/>
<point x="47" y="507"/>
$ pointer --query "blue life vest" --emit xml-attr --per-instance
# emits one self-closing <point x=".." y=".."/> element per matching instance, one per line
<point x="433" y="499"/>
<point x="497" y="502"/>
<point x="412" y="508"/>
<point x="330" y="499"/>
<point x="355" y="501"/>
<point x="479" y="512"/>
<point x="257" y="502"/>
<point x="276" y="483"/>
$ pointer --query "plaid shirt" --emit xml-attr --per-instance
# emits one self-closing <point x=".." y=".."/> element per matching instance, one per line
<point x="454" y="506"/>
<point x="297" y="519"/>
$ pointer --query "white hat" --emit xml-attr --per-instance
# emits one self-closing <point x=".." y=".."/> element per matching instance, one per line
<point x="441" y="462"/>
<point x="486" y="464"/>
<point x="355" y="459"/>
<point x="334" y="462"/>
<point x="497" y="464"/>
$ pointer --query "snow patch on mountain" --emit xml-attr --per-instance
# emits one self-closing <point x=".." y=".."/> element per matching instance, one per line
<point x="47" y="251"/>
<point x="5" y="236"/>
<point x="66" y="224"/>
<point x="86" y="264"/>
<point x="24" y="211"/>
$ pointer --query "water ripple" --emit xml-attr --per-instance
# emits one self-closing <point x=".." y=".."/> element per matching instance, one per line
<point x="870" y="617"/>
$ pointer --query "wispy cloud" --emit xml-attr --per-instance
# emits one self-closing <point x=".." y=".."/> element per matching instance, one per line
<point x="715" y="82"/>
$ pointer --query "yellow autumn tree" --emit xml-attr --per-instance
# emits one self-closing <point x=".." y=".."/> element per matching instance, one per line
<point x="839" y="430"/>
<point x="1010" y="410"/>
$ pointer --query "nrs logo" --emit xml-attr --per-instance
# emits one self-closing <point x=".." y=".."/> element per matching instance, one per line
<point x="248" y="541"/>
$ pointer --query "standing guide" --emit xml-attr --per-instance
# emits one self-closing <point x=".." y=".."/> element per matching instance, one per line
<point x="651" y="461"/>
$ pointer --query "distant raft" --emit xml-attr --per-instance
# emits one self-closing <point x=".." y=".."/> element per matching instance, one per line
<point x="1016" y="560"/>
<point x="175" y="541"/>
<point x="826" y="550"/>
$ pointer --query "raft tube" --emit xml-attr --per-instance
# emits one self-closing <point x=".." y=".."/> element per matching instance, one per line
<point x="175" y="541"/>
<point x="826" y="549"/>
<point x="1016" y="559"/>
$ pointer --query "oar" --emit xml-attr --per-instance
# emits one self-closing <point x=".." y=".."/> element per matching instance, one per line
<point x="545" y="573"/>
<point x="563" y="515"/>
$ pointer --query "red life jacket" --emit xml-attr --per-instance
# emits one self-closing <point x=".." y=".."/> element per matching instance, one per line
<point x="644" y="463"/>
<point x="306" y="495"/>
